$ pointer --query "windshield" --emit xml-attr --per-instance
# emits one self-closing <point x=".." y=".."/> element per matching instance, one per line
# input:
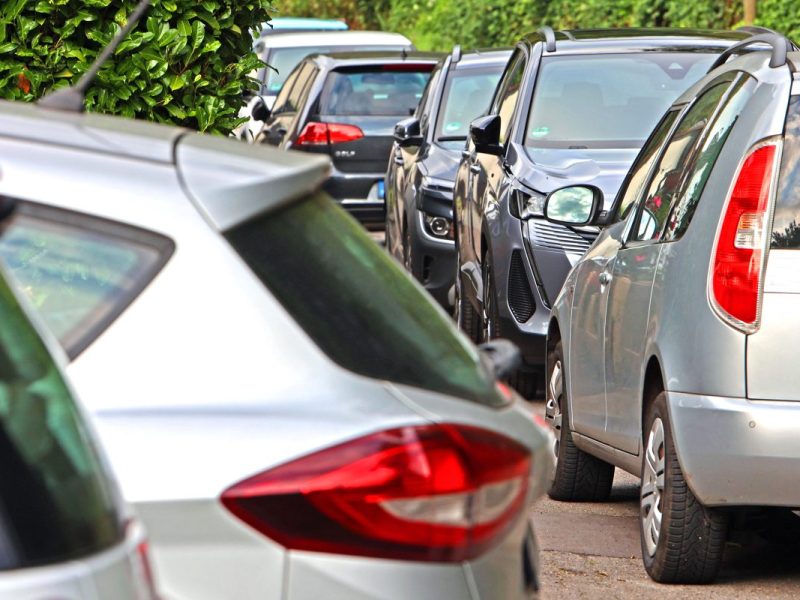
<point x="357" y="303"/>
<point x="391" y="90"/>
<point x="466" y="96"/>
<point x="56" y="502"/>
<point x="282" y="61"/>
<point x="605" y="101"/>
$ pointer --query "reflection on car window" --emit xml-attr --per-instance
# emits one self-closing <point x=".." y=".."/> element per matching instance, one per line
<point x="383" y="91"/>
<point x="56" y="501"/>
<point x="79" y="273"/>
<point x="508" y="94"/>
<point x="357" y="304"/>
<point x="466" y="97"/>
<point x="667" y="175"/>
<point x="699" y="166"/>
<point x="786" y="226"/>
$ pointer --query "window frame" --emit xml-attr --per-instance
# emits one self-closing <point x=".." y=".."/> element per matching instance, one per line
<point x="518" y="59"/>
<point x="69" y="219"/>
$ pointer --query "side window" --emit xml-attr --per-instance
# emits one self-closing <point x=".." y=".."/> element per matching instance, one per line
<point x="295" y="98"/>
<point x="665" y="184"/>
<point x="79" y="272"/>
<point x="423" y="112"/>
<point x="508" y="93"/>
<point x="786" y="227"/>
<point x="702" y="162"/>
<point x="282" y="101"/>
<point x="631" y="189"/>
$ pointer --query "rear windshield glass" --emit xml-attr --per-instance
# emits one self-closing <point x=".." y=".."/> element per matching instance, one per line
<point x="358" y="304"/>
<point x="56" y="502"/>
<point x="466" y="96"/>
<point x="605" y="101"/>
<point x="786" y="226"/>
<point x="282" y="61"/>
<point x="392" y="90"/>
<point x="78" y="272"/>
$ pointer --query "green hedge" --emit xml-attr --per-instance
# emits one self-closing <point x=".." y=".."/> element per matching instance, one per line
<point x="438" y="24"/>
<point x="187" y="62"/>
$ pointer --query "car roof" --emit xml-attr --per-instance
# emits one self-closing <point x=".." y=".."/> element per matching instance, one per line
<point x="483" y="57"/>
<point x="378" y="57"/>
<point x="636" y="39"/>
<point x="337" y="38"/>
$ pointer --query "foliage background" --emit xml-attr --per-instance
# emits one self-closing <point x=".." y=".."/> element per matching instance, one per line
<point x="438" y="24"/>
<point x="187" y="62"/>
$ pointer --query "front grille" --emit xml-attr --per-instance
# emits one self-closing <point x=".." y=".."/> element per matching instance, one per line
<point x="559" y="237"/>
<point x="520" y="298"/>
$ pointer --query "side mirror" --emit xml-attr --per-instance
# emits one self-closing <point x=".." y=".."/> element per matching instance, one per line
<point x="503" y="356"/>
<point x="485" y="135"/>
<point x="407" y="133"/>
<point x="259" y="110"/>
<point x="575" y="205"/>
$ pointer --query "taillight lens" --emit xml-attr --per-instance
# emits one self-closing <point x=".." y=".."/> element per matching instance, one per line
<point x="443" y="493"/>
<point x="741" y="244"/>
<point x="315" y="134"/>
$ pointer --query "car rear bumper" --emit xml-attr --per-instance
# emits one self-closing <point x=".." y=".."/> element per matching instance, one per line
<point x="352" y="191"/>
<point x="737" y="452"/>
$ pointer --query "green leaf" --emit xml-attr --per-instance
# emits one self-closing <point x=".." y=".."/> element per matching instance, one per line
<point x="177" y="83"/>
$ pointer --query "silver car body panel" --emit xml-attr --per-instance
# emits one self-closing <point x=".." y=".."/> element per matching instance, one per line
<point x="658" y="309"/>
<point x="205" y="379"/>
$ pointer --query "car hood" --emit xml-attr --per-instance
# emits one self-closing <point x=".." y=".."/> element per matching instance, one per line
<point x="557" y="168"/>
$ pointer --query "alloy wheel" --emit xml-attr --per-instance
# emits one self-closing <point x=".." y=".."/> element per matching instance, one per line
<point x="552" y="410"/>
<point x="653" y="486"/>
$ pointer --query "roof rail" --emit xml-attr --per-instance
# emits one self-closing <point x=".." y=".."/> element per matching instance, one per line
<point x="549" y="37"/>
<point x="756" y="29"/>
<point x="456" y="55"/>
<point x="779" y="43"/>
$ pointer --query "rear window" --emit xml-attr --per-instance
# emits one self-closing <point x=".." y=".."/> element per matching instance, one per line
<point x="391" y="90"/>
<point x="786" y="226"/>
<point x="466" y="96"/>
<point x="357" y="304"/>
<point x="79" y="272"/>
<point x="56" y="501"/>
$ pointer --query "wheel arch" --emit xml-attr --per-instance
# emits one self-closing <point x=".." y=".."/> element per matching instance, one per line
<point x="653" y="383"/>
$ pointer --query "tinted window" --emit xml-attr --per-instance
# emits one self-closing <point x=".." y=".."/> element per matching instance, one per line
<point x="296" y="89"/>
<point x="56" y="502"/>
<point x="423" y="112"/>
<point x="392" y="90"/>
<point x="700" y="164"/>
<point x="78" y="272"/>
<point x="665" y="183"/>
<point x="282" y="61"/>
<point x="358" y="304"/>
<point x="507" y="96"/>
<point x="786" y="226"/>
<point x="605" y="101"/>
<point x="631" y="189"/>
<point x="466" y="96"/>
<point x="282" y="104"/>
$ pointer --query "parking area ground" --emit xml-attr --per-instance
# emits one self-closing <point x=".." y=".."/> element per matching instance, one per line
<point x="592" y="551"/>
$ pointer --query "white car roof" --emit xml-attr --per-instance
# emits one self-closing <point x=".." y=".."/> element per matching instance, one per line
<point x="338" y="38"/>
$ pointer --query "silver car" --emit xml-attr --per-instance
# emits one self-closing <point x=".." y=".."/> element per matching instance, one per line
<point x="670" y="342"/>
<point x="289" y="413"/>
<point x="64" y="531"/>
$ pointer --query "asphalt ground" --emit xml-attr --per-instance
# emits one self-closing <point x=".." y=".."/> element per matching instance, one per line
<point x="591" y="550"/>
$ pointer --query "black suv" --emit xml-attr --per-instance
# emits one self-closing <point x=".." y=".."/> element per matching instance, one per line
<point x="346" y="105"/>
<point x="424" y="161"/>
<point x="572" y="107"/>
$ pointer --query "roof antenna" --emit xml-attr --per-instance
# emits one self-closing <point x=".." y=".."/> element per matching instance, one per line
<point x="73" y="98"/>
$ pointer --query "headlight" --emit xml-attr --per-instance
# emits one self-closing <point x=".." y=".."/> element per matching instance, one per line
<point x="439" y="227"/>
<point x="528" y="204"/>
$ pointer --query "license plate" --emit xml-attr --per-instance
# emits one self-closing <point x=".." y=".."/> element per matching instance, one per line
<point x="382" y="189"/>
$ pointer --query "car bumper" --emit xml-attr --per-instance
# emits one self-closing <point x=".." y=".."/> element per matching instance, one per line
<point x="737" y="452"/>
<point x="355" y="192"/>
<point x="433" y="263"/>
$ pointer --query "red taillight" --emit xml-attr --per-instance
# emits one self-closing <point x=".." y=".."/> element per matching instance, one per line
<point x="315" y="134"/>
<point x="739" y="256"/>
<point x="441" y="493"/>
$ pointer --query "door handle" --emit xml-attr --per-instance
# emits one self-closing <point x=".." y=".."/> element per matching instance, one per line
<point x="475" y="169"/>
<point x="466" y="154"/>
<point x="398" y="160"/>
<point x="605" y="278"/>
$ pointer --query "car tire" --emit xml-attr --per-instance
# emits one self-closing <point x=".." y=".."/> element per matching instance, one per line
<point x="578" y="476"/>
<point x="682" y="540"/>
<point x="408" y="259"/>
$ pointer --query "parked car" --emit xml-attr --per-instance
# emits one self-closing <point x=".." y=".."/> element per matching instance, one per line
<point x="345" y="106"/>
<point x="288" y="411"/>
<point x="669" y="344"/>
<point x="64" y="531"/>
<point x="423" y="164"/>
<point x="295" y="24"/>
<point x="571" y="107"/>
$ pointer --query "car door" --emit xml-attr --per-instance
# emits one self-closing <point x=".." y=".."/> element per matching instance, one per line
<point x="632" y="273"/>
<point x="486" y="167"/>
<point x="590" y="297"/>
